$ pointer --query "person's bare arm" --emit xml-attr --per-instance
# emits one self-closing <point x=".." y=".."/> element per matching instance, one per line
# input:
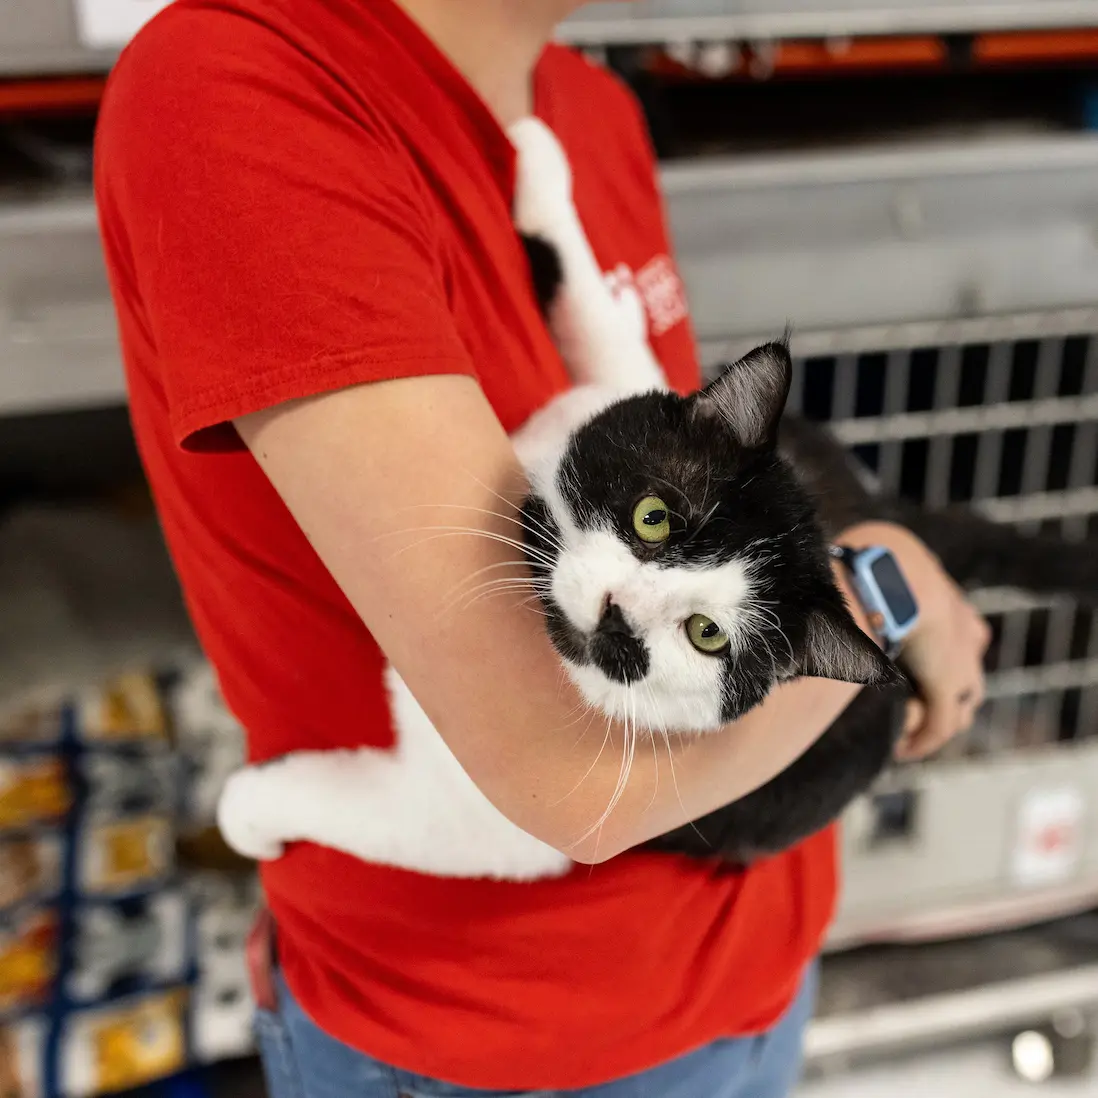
<point x="382" y="478"/>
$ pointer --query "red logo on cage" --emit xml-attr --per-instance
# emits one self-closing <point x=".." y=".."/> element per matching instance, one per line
<point x="1054" y="837"/>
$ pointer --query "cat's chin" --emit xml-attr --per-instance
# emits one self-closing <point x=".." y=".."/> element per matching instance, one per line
<point x="646" y="704"/>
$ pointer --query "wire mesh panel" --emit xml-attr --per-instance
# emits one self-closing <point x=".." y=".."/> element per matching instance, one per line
<point x="1009" y="426"/>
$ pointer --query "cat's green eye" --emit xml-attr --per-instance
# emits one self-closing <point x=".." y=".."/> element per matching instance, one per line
<point x="651" y="520"/>
<point x="705" y="634"/>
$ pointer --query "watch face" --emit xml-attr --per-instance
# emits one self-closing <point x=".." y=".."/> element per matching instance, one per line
<point x="894" y="589"/>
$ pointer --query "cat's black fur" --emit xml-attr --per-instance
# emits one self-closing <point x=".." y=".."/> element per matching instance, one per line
<point x="545" y="270"/>
<point x="730" y="499"/>
<point x="786" y="484"/>
<point x="845" y="761"/>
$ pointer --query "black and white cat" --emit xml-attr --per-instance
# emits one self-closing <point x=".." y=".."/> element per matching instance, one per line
<point x="679" y="550"/>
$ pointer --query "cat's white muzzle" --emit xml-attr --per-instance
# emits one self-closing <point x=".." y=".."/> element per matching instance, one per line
<point x="674" y="686"/>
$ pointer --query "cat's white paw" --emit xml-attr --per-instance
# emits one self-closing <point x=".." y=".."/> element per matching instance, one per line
<point x="242" y="813"/>
<point x="543" y="179"/>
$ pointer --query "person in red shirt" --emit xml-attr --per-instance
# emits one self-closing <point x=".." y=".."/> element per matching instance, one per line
<point x="328" y="326"/>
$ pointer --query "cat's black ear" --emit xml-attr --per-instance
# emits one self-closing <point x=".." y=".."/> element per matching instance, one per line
<point x="835" y="648"/>
<point x="750" y="394"/>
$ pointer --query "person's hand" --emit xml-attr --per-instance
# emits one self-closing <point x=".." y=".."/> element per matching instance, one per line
<point x="944" y="653"/>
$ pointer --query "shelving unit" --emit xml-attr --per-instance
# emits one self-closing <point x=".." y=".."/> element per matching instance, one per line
<point x="40" y="37"/>
<point x="887" y="236"/>
<point x="44" y="36"/>
<point x="858" y="248"/>
<point x="57" y="330"/>
<point x="659" y="21"/>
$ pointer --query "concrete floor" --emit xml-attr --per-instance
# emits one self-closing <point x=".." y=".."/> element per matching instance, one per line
<point x="978" y="1071"/>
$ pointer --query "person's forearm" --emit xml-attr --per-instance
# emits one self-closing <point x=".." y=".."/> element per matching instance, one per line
<point x="678" y="778"/>
<point x="689" y="776"/>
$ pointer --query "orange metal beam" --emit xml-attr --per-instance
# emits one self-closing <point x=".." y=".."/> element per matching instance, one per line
<point x="1015" y="48"/>
<point x="860" y="54"/>
<point x="78" y="94"/>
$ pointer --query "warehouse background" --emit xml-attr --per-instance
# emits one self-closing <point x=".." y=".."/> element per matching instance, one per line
<point x="916" y="188"/>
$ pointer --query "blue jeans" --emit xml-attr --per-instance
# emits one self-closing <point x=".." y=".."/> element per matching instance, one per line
<point x="301" y="1061"/>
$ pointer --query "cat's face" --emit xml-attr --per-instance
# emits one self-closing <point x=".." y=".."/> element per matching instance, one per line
<point x="689" y="574"/>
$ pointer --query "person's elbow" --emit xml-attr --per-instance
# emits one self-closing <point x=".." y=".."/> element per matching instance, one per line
<point x="568" y="826"/>
<point x="593" y="854"/>
<point x="575" y="836"/>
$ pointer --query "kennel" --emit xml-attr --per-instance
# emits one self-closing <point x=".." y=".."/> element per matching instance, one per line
<point x="944" y="295"/>
<point x="944" y="301"/>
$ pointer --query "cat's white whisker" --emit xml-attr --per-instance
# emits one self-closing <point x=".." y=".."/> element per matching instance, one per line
<point x="653" y="716"/>
<point x="469" y="531"/>
<point x="500" y="583"/>
<point x="587" y="773"/>
<point x="581" y="707"/>
<point x="488" y="590"/>
<point x="628" y="753"/>
<point x="523" y="522"/>
<point x="619" y="788"/>
<point x="580" y="710"/>
<point x="531" y="603"/>
<point x="762" y="608"/>
<point x="503" y="539"/>
<point x="464" y="591"/>
<point x="510" y="502"/>
<point x="553" y="536"/>
<point x="457" y="588"/>
<point x="632" y="755"/>
<point x="675" y="782"/>
<point x="655" y="756"/>
<point x="704" y="521"/>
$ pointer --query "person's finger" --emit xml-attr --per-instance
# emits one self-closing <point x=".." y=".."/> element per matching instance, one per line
<point x="975" y="689"/>
<point x="972" y="696"/>
<point x="983" y="633"/>
<point x="936" y="729"/>
<point x="974" y="630"/>
<point x="969" y="698"/>
<point x="943" y="718"/>
<point x="966" y="715"/>
<point x="978" y="694"/>
<point x="914" y="715"/>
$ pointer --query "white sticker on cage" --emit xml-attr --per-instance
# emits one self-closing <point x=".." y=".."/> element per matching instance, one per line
<point x="110" y="24"/>
<point x="1049" y="840"/>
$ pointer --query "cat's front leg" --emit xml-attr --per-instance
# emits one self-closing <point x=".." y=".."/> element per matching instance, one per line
<point x="412" y="807"/>
<point x="602" y="337"/>
<point x="265" y="806"/>
<point x="373" y="803"/>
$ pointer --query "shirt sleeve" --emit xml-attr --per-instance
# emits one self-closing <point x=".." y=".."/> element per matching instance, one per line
<point x="279" y="241"/>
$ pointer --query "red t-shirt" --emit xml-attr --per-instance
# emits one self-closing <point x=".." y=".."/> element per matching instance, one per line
<point x="298" y="195"/>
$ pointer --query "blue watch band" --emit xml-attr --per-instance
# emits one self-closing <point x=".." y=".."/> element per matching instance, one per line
<point x="883" y="592"/>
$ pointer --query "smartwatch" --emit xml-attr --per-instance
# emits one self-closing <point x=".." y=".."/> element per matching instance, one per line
<point x="883" y="592"/>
